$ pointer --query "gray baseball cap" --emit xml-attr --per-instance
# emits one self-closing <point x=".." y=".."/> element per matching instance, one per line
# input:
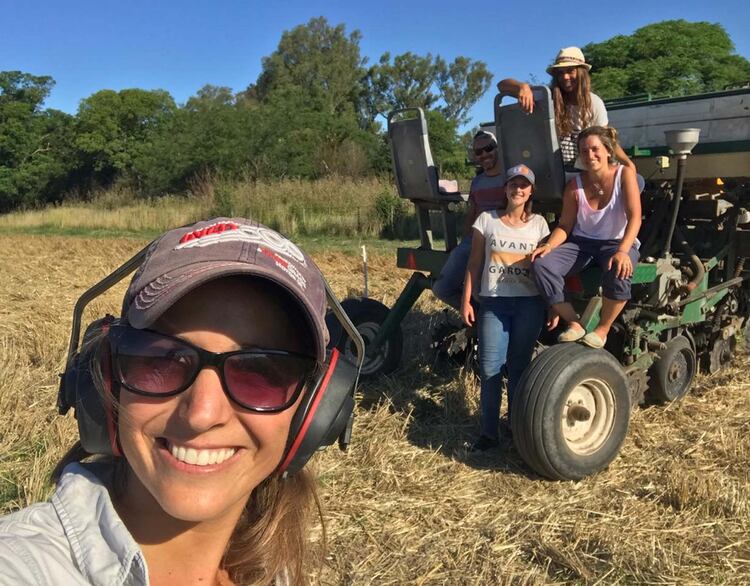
<point x="184" y="258"/>
<point x="520" y="171"/>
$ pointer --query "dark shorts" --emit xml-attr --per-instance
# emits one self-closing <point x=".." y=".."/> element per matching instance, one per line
<point x="573" y="256"/>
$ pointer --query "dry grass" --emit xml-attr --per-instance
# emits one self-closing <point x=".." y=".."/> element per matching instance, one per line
<point x="406" y="504"/>
<point x="330" y="206"/>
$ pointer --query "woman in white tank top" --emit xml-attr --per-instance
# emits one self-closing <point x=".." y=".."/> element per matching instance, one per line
<point x="599" y="223"/>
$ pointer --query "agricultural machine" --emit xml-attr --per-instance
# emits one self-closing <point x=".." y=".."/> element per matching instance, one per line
<point x="691" y="296"/>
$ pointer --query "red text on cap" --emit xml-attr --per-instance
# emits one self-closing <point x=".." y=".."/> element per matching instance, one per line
<point x="212" y="229"/>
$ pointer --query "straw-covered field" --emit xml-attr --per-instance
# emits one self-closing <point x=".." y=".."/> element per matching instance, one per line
<point x="406" y="504"/>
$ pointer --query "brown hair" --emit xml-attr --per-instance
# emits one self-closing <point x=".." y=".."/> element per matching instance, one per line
<point x="270" y="539"/>
<point x="606" y="134"/>
<point x="563" y="122"/>
<point x="528" y="206"/>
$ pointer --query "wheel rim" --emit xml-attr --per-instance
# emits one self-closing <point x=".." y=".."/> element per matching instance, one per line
<point x="678" y="374"/>
<point x="372" y="362"/>
<point x="588" y="416"/>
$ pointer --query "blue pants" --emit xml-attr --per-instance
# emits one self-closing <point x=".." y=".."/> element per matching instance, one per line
<point x="570" y="258"/>
<point x="450" y="284"/>
<point x="508" y="330"/>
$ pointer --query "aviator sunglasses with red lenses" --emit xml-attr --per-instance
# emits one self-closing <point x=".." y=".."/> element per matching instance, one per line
<point x="158" y="365"/>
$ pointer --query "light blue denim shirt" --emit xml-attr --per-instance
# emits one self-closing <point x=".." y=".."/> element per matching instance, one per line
<point x="75" y="538"/>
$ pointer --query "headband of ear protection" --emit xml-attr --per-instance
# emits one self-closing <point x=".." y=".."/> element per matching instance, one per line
<point x="325" y="412"/>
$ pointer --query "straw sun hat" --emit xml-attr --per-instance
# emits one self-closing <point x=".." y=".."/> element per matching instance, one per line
<point x="569" y="57"/>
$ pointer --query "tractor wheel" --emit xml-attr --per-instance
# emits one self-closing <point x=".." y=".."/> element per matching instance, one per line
<point x="673" y="370"/>
<point x="720" y="355"/>
<point x="367" y="315"/>
<point x="570" y="412"/>
<point x="746" y="336"/>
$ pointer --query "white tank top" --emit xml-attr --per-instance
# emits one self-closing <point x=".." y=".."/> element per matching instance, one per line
<point x="607" y="223"/>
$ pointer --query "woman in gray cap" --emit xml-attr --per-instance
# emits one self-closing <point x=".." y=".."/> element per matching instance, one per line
<point x="576" y="106"/>
<point x="511" y="313"/>
<point x="199" y="405"/>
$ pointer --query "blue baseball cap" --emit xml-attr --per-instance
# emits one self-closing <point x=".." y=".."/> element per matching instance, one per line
<point x="520" y="171"/>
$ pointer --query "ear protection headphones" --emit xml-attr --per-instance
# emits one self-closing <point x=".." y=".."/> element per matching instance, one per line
<point x="325" y="412"/>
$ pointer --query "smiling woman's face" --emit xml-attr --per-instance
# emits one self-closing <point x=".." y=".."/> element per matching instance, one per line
<point x="567" y="79"/>
<point x="593" y="153"/>
<point x="518" y="190"/>
<point x="197" y="455"/>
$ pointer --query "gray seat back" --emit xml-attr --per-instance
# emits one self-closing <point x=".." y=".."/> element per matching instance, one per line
<point x="531" y="139"/>
<point x="413" y="167"/>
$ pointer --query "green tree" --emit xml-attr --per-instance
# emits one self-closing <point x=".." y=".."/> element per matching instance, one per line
<point x="414" y="81"/>
<point x="405" y="82"/>
<point x="23" y="88"/>
<point x="317" y="60"/>
<point x="461" y="83"/>
<point x="35" y="155"/>
<point x="671" y="58"/>
<point x="113" y="126"/>
<point x="215" y="131"/>
<point x="447" y="148"/>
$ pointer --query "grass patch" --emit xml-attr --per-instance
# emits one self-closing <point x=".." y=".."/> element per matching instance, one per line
<point x="339" y="210"/>
<point x="406" y="504"/>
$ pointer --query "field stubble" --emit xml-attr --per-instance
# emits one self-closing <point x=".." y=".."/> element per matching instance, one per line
<point x="406" y="504"/>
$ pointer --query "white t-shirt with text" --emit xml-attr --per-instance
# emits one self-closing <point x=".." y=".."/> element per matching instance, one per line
<point x="507" y="251"/>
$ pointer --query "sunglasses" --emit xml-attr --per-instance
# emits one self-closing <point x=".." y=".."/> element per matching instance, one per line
<point x="151" y="364"/>
<point x="485" y="149"/>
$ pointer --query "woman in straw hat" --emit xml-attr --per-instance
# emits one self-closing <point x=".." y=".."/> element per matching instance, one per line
<point x="191" y="408"/>
<point x="576" y="106"/>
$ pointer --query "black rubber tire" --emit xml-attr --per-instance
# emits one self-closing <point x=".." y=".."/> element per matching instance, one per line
<point x="539" y="421"/>
<point x="673" y="371"/>
<point x="367" y="316"/>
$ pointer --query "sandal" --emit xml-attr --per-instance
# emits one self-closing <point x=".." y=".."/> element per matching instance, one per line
<point x="592" y="340"/>
<point x="571" y="335"/>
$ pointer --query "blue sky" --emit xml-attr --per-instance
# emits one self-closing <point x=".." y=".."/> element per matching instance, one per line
<point x="182" y="45"/>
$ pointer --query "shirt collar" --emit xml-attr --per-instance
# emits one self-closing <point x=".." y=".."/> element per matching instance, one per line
<point x="101" y="545"/>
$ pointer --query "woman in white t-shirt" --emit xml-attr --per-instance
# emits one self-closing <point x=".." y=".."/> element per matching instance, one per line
<point x="511" y="313"/>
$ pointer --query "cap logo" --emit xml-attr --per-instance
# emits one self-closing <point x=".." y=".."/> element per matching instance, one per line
<point x="284" y="265"/>
<point x="231" y="232"/>
<point x="208" y="230"/>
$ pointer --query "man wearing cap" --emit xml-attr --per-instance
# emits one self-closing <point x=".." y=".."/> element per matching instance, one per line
<point x="576" y="106"/>
<point x="486" y="193"/>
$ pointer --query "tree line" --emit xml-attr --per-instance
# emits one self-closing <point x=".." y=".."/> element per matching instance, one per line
<point x="316" y="109"/>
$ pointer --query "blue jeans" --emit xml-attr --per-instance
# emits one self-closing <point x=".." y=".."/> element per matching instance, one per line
<point x="508" y="330"/>
<point x="450" y="284"/>
<point x="573" y="256"/>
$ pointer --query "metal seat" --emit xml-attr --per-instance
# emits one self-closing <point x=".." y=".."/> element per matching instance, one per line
<point x="531" y="139"/>
<point x="417" y="180"/>
<point x="415" y="171"/>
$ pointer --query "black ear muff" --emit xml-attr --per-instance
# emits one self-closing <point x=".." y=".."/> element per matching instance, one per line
<point x="324" y="415"/>
<point x="96" y="425"/>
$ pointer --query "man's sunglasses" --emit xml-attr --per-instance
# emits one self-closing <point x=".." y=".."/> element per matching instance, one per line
<point x="485" y="149"/>
<point x="157" y="365"/>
